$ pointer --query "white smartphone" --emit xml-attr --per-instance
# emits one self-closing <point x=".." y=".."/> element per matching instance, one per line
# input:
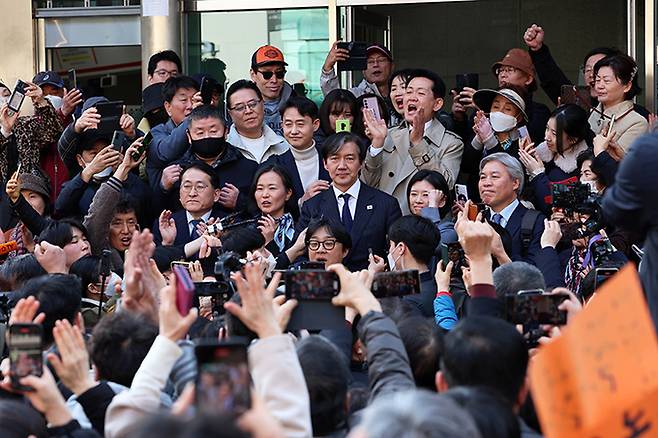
<point x="370" y="103"/>
<point x="461" y="193"/>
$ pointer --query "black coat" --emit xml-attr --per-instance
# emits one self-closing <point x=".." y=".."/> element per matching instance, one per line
<point x="375" y="212"/>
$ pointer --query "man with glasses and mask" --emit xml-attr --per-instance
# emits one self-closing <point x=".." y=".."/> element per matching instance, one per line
<point x="207" y="144"/>
<point x="249" y="134"/>
<point x="268" y="70"/>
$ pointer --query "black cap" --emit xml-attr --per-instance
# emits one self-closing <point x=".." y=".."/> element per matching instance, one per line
<point x="48" y="77"/>
<point x="152" y="97"/>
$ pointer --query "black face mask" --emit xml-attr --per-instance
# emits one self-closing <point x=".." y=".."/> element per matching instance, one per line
<point x="156" y="118"/>
<point x="209" y="147"/>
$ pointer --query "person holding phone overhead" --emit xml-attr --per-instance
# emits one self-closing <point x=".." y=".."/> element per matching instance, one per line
<point x="23" y="136"/>
<point x="422" y="142"/>
<point x="616" y="85"/>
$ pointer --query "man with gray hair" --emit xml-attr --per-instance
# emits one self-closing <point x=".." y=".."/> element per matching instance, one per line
<point x="513" y="277"/>
<point x="416" y="413"/>
<point x="500" y="184"/>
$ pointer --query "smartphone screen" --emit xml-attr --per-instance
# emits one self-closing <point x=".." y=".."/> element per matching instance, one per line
<point x="306" y="266"/>
<point x="206" y="91"/>
<point x="358" y="57"/>
<point x="535" y="308"/>
<point x="184" y="289"/>
<point x="25" y="356"/>
<point x="396" y="284"/>
<point x="223" y="381"/>
<point x="371" y="104"/>
<point x="117" y="141"/>
<point x="73" y="79"/>
<point x="146" y="141"/>
<point x="110" y="113"/>
<point x="312" y="285"/>
<point x="470" y="80"/>
<point x="602" y="275"/>
<point x="343" y="125"/>
<point x="17" y="97"/>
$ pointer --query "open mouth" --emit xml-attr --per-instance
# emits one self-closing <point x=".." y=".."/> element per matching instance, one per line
<point x="266" y="204"/>
<point x="411" y="108"/>
<point x="399" y="102"/>
<point x="126" y="240"/>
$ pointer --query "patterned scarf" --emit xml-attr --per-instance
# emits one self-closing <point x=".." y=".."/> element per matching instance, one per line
<point x="285" y="229"/>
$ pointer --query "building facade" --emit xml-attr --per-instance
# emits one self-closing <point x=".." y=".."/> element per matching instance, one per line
<point x="108" y="41"/>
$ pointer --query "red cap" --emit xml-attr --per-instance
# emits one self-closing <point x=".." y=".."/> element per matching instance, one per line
<point x="266" y="55"/>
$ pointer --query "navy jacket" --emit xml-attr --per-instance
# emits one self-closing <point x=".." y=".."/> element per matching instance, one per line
<point x="287" y="161"/>
<point x="182" y="228"/>
<point x="375" y="212"/>
<point x="169" y="144"/>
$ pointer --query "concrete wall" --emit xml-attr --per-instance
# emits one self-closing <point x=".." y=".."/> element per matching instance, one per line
<point x="17" y="53"/>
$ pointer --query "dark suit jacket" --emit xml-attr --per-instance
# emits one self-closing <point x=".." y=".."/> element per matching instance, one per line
<point x="375" y="212"/>
<point x="287" y="161"/>
<point x="182" y="228"/>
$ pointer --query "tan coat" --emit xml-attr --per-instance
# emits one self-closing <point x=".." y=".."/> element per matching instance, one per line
<point x="629" y="124"/>
<point x="391" y="169"/>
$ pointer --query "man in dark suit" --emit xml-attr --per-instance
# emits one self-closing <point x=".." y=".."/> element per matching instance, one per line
<point x="199" y="191"/>
<point x="303" y="160"/>
<point x="501" y="181"/>
<point x="365" y="212"/>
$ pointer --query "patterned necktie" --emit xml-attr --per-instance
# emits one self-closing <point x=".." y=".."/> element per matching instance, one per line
<point x="283" y="230"/>
<point x="497" y="218"/>
<point x="194" y="234"/>
<point x="346" y="216"/>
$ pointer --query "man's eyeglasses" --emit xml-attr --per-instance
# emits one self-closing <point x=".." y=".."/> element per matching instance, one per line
<point x="506" y="69"/>
<point x="241" y="107"/>
<point x="187" y="188"/>
<point x="267" y="75"/>
<point x="314" y="245"/>
<point x="377" y="61"/>
<point x="165" y="73"/>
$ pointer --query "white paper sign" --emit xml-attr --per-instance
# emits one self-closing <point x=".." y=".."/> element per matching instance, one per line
<point x="155" y="8"/>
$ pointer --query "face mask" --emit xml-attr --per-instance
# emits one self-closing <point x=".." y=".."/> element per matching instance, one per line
<point x="55" y="101"/>
<point x="208" y="147"/>
<point x="501" y="122"/>
<point x="392" y="260"/>
<point x="102" y="174"/>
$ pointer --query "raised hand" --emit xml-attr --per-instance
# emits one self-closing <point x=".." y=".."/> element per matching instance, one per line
<point x="267" y="227"/>
<point x="551" y="235"/>
<point x="51" y="258"/>
<point x="534" y="37"/>
<point x="172" y="324"/>
<point x="72" y="362"/>
<point x="335" y="54"/>
<point x="127" y="124"/>
<point x="228" y="196"/>
<point x="354" y="291"/>
<point x="25" y="312"/>
<point x="167" y="228"/>
<point x="170" y="176"/>
<point x="71" y="99"/>
<point x="13" y="188"/>
<point x="89" y="119"/>
<point x="7" y="120"/>
<point x="107" y="157"/>
<point x="376" y="129"/>
<point x="316" y="187"/>
<point x="141" y="279"/>
<point x="416" y="134"/>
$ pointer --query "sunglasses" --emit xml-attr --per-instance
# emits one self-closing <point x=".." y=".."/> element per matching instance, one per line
<point x="267" y="75"/>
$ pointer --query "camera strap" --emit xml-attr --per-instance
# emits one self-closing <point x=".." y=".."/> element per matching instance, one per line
<point x="527" y="226"/>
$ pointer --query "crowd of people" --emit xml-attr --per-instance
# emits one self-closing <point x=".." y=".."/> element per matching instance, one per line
<point x="483" y="192"/>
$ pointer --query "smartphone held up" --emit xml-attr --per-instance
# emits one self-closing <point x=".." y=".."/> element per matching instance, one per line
<point x="25" y="356"/>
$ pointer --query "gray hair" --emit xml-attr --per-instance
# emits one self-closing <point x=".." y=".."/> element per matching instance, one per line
<point x="417" y="414"/>
<point x="513" y="166"/>
<point x="513" y="277"/>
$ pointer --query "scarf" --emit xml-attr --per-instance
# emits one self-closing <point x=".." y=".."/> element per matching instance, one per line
<point x="286" y="228"/>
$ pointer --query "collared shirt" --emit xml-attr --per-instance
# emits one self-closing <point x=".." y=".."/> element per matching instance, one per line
<point x="189" y="217"/>
<point x="354" y="194"/>
<point x="506" y="212"/>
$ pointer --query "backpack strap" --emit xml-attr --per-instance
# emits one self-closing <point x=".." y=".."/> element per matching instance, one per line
<point x="527" y="226"/>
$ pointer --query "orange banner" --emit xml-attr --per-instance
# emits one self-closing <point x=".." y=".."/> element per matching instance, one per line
<point x="600" y="378"/>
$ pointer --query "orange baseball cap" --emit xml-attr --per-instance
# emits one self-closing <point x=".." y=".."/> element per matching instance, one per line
<point x="266" y="55"/>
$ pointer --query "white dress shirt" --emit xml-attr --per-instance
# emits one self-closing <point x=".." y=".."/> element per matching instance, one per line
<point x="506" y="212"/>
<point x="354" y="194"/>
<point x="189" y="217"/>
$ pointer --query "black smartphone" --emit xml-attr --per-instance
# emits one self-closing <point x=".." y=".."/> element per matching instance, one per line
<point x="602" y="275"/>
<point x="17" y="96"/>
<point x="206" y="90"/>
<point x="396" y="284"/>
<point x="223" y="381"/>
<point x="453" y="252"/>
<point x="118" y="138"/>
<point x="110" y="113"/>
<point x="311" y="285"/>
<point x="307" y="266"/>
<point x="146" y="141"/>
<point x="358" y="57"/>
<point x="535" y="307"/>
<point x="25" y="356"/>
<point x="73" y="79"/>
<point x="471" y="80"/>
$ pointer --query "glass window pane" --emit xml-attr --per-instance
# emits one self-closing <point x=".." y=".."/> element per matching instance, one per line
<point x="228" y="39"/>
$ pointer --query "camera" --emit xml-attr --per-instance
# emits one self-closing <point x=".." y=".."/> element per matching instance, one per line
<point x="601" y="251"/>
<point x="572" y="197"/>
<point x="226" y="263"/>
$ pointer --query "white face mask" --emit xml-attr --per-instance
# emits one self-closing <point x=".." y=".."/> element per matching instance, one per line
<point x="501" y="122"/>
<point x="102" y="174"/>
<point x="56" y="101"/>
<point x="392" y="260"/>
